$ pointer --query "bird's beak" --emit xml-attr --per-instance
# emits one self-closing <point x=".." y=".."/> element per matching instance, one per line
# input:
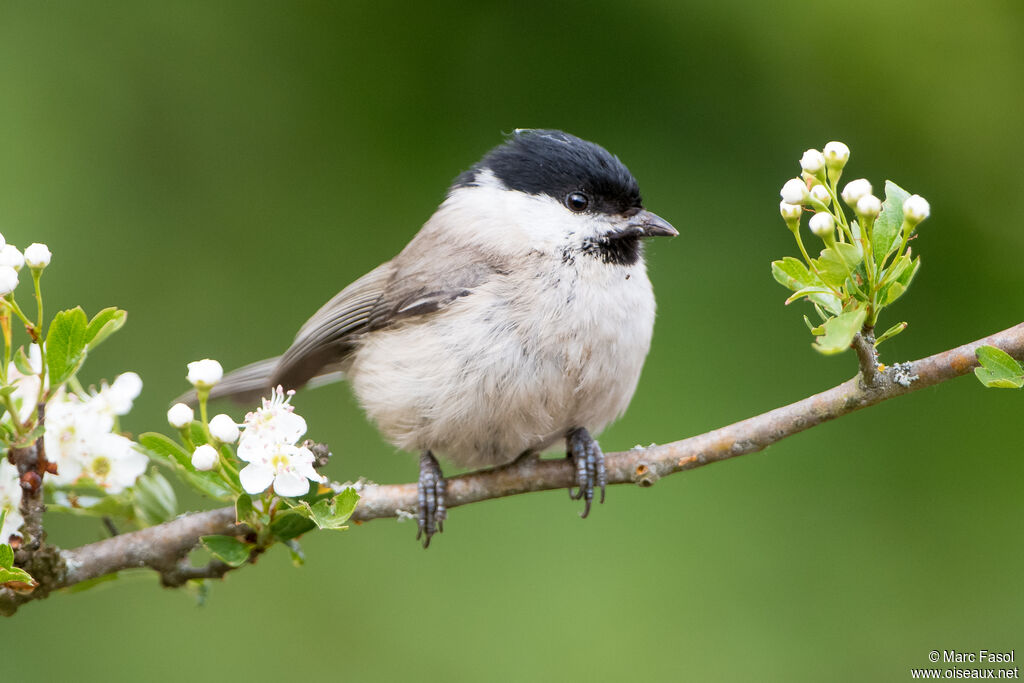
<point x="648" y="224"/>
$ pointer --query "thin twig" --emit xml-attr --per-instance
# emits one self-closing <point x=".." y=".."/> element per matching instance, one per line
<point x="162" y="547"/>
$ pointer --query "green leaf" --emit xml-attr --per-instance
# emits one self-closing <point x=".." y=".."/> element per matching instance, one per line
<point x="105" y="323"/>
<point x="21" y="362"/>
<point x="792" y="274"/>
<point x="330" y="514"/>
<point x="890" y="333"/>
<point x="808" y="291"/>
<point x="889" y="223"/>
<point x="16" y="574"/>
<point x="837" y="262"/>
<point x="243" y="508"/>
<point x="290" y="525"/>
<point x="65" y="345"/>
<point x="6" y="555"/>
<point x="839" y="331"/>
<point x="998" y="369"/>
<point x="154" y="499"/>
<point x="228" y="549"/>
<point x="907" y="271"/>
<point x="163" y="450"/>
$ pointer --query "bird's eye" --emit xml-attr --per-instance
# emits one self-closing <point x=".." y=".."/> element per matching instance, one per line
<point x="577" y="201"/>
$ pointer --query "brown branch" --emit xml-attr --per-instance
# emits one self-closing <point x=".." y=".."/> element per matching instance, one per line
<point x="163" y="547"/>
<point x="864" y="345"/>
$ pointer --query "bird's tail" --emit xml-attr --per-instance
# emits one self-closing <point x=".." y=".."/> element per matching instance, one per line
<point x="249" y="383"/>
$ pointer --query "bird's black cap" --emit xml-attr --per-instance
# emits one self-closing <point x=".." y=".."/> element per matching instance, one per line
<point x="538" y="161"/>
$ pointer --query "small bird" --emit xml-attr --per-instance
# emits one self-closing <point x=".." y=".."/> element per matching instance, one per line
<point x="519" y="315"/>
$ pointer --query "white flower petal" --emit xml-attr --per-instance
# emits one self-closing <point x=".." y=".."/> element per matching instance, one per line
<point x="256" y="477"/>
<point x="289" y="484"/>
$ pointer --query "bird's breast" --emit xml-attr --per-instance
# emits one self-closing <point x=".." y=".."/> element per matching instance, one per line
<point x="512" y="366"/>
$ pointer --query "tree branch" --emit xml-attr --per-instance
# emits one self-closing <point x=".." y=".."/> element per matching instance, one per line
<point x="164" y="547"/>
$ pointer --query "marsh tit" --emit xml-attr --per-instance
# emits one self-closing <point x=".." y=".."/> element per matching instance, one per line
<point x="519" y="315"/>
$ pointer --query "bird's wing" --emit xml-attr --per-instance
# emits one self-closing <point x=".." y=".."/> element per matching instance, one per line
<point x="395" y="291"/>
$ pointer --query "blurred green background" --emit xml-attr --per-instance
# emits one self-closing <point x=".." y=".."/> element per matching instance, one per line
<point x="220" y="169"/>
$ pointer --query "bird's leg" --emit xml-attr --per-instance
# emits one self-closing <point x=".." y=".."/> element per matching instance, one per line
<point x="588" y="460"/>
<point x="431" y="511"/>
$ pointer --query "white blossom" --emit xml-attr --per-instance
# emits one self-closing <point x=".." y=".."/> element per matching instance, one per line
<point x="915" y="209"/>
<point x="836" y="154"/>
<point x="10" y="500"/>
<point x="79" y="439"/>
<point x="3" y="242"/>
<point x="120" y="395"/>
<point x="268" y="445"/>
<point x="180" y="416"/>
<point x="205" y="458"/>
<point x="37" y="255"/>
<point x="203" y="374"/>
<point x="8" y="280"/>
<point x="868" y="205"/>
<point x="812" y="161"/>
<point x="224" y="429"/>
<point x="854" y="190"/>
<point x="822" y="224"/>
<point x="794" y="191"/>
<point x="11" y="257"/>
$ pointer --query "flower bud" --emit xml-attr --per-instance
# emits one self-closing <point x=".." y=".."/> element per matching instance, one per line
<point x="820" y="194"/>
<point x="204" y="458"/>
<point x="11" y="257"/>
<point x="791" y="214"/>
<point x="869" y="205"/>
<point x="822" y="224"/>
<point x="224" y="429"/>
<point x="854" y="190"/>
<point x="203" y="374"/>
<point x="37" y="255"/>
<point x="180" y="416"/>
<point x="8" y="280"/>
<point x="794" y="191"/>
<point x="915" y="209"/>
<point x="812" y="161"/>
<point x="836" y="155"/>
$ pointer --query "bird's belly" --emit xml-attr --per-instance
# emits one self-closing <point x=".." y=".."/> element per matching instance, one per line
<point x="486" y="380"/>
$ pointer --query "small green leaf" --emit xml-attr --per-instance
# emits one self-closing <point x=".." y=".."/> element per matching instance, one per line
<point x="16" y="574"/>
<point x="808" y="291"/>
<point x="290" y="525"/>
<point x="837" y="262"/>
<point x="998" y="369"/>
<point x="6" y="555"/>
<point x="154" y="499"/>
<point x="228" y="548"/>
<point x="295" y="550"/>
<point x="163" y="450"/>
<point x="890" y="333"/>
<point x="105" y="323"/>
<point x="330" y="514"/>
<point x="839" y="331"/>
<point x="889" y="223"/>
<point x="65" y="345"/>
<point x="21" y="362"/>
<point x="792" y="274"/>
<point x="243" y="508"/>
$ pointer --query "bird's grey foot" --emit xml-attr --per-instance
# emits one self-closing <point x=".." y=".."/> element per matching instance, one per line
<point x="588" y="460"/>
<point x="431" y="511"/>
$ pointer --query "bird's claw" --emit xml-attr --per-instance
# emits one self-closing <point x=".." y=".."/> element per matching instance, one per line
<point x="430" y="511"/>
<point x="588" y="460"/>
